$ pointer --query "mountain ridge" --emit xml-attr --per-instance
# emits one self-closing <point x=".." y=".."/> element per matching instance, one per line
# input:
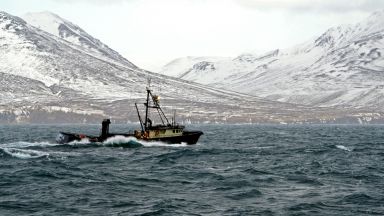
<point x="342" y="67"/>
<point x="64" y="29"/>
<point x="48" y="79"/>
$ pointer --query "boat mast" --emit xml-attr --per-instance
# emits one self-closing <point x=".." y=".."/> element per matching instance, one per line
<point x="141" y="121"/>
<point x="146" y="109"/>
<point x="157" y="106"/>
<point x="147" y="103"/>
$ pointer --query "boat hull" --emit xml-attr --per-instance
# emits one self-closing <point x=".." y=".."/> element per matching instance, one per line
<point x="188" y="137"/>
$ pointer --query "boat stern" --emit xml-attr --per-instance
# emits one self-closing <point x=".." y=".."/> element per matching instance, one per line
<point x="63" y="138"/>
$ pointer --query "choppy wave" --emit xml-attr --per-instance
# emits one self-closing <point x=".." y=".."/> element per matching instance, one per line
<point x="25" y="144"/>
<point x="121" y="140"/>
<point x="303" y="170"/>
<point x="20" y="149"/>
<point x="24" y="153"/>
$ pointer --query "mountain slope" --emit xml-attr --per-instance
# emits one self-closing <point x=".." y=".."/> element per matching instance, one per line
<point x="343" y="67"/>
<point x="72" y="33"/>
<point x="45" y="78"/>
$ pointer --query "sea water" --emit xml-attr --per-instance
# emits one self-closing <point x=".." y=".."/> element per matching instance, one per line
<point x="232" y="170"/>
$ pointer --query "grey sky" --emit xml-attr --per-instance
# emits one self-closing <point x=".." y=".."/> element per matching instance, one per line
<point x="301" y="5"/>
<point x="150" y="33"/>
<point x="337" y="6"/>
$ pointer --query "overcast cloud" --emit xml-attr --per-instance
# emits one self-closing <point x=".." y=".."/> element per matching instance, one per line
<point x="101" y="2"/>
<point x="298" y="5"/>
<point x="314" y="5"/>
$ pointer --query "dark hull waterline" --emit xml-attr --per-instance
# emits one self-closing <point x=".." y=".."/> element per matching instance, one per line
<point x="188" y="137"/>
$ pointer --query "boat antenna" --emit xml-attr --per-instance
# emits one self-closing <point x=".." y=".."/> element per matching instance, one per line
<point x="174" y="117"/>
<point x="149" y="82"/>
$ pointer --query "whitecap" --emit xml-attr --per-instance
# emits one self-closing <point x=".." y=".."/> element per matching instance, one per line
<point x="343" y="148"/>
<point x="24" y="144"/>
<point x="79" y="142"/>
<point x="24" y="153"/>
<point x="123" y="140"/>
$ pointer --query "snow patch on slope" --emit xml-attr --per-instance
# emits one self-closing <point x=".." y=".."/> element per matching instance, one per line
<point x="72" y="33"/>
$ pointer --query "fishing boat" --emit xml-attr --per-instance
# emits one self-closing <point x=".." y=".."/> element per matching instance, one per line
<point x="166" y="131"/>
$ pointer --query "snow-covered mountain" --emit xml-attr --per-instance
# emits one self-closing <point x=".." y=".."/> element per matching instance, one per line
<point x="179" y="67"/>
<point x="343" y="67"/>
<point x="46" y="77"/>
<point x="72" y="33"/>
